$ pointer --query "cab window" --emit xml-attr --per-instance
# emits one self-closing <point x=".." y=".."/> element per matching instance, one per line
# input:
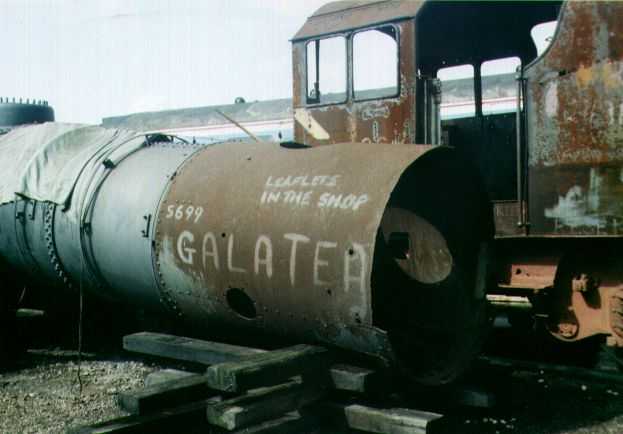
<point x="457" y="95"/>
<point x="375" y="63"/>
<point x="326" y="70"/>
<point x="499" y="86"/>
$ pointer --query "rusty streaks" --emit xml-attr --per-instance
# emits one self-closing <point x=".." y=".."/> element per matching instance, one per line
<point x="295" y="234"/>
<point x="612" y="22"/>
<point x="575" y="125"/>
<point x="381" y="120"/>
<point x="575" y="41"/>
<point x="576" y="93"/>
<point x="585" y="298"/>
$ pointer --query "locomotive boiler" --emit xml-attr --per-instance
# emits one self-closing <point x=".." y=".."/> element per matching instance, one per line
<point x="353" y="235"/>
<point x="344" y="245"/>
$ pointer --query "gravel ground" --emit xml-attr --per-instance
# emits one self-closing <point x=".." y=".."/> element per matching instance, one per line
<point x="43" y="395"/>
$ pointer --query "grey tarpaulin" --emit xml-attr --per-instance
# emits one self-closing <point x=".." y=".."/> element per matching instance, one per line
<point x="44" y="162"/>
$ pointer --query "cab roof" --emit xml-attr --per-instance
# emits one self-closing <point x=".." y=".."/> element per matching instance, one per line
<point x="345" y="15"/>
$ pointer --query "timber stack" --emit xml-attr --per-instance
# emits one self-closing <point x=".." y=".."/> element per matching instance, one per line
<point x="298" y="389"/>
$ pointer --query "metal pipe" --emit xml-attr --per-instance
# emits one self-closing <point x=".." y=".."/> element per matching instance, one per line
<point x="519" y="79"/>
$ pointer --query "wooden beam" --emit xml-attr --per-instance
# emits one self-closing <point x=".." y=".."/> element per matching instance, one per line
<point x="268" y="368"/>
<point x="344" y="377"/>
<point x="376" y="420"/>
<point x="185" y="349"/>
<point x="163" y="375"/>
<point x="166" y="394"/>
<point x="180" y="419"/>
<point x="262" y="404"/>
<point x="357" y="379"/>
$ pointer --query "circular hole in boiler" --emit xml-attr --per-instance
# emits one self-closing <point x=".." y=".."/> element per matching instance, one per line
<point x="399" y="245"/>
<point x="241" y="303"/>
<point x="293" y="145"/>
<point x="223" y="235"/>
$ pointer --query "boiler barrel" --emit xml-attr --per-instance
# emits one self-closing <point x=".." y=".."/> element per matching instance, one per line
<point x="361" y="246"/>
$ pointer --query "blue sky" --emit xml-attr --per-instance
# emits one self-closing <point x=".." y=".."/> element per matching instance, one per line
<point x="93" y="59"/>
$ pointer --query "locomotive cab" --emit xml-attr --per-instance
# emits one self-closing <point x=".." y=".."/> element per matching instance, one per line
<point x="542" y="128"/>
<point x="440" y="73"/>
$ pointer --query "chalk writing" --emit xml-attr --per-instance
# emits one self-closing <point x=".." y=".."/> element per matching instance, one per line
<point x="302" y="198"/>
<point x="185" y="252"/>
<point x="321" y="262"/>
<point x="210" y="251"/>
<point x="282" y="190"/>
<point x="189" y="212"/>
<point x="303" y="181"/>
<point x="263" y="243"/>
<point x="326" y="257"/>
<point x="295" y="238"/>
<point x="342" y="201"/>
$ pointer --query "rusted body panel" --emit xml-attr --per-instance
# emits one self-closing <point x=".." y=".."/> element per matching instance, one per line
<point x="575" y="125"/>
<point x="285" y="225"/>
<point x="569" y="147"/>
<point x="306" y="242"/>
<point x="531" y="272"/>
<point x="294" y="229"/>
<point x="386" y="120"/>
<point x="587" y="295"/>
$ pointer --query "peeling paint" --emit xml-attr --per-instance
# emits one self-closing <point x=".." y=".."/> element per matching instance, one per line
<point x="572" y="211"/>
<point x="589" y="206"/>
<point x="368" y="121"/>
<point x="575" y="125"/>
<point x="551" y="99"/>
<point x="584" y="76"/>
<point x="304" y="118"/>
<point x="373" y="111"/>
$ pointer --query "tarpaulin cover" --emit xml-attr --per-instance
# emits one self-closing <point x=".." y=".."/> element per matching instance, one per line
<point x="43" y="162"/>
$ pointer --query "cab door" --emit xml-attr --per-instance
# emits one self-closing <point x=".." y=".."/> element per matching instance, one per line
<point x="357" y="86"/>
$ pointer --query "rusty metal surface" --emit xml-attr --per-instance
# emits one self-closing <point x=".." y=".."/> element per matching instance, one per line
<point x="575" y="285"/>
<point x="341" y="244"/>
<point x="575" y="125"/>
<point x="344" y="15"/>
<point x="293" y="228"/>
<point x="387" y="120"/>
<point x="587" y="298"/>
<point x="533" y="273"/>
<point x="506" y="215"/>
<point x="424" y="255"/>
